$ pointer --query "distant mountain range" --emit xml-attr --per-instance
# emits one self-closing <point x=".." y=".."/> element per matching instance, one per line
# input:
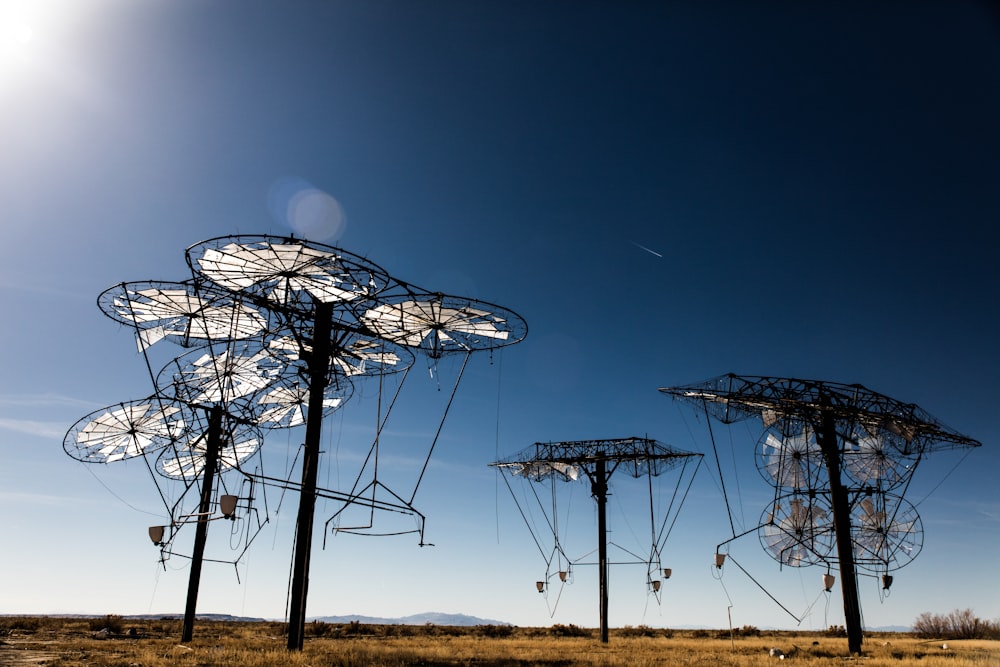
<point x="426" y="618"/>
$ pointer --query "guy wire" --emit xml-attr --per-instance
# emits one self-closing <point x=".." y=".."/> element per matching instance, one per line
<point x="718" y="465"/>
<point x="437" y="435"/>
<point x="496" y="443"/>
<point x="761" y="587"/>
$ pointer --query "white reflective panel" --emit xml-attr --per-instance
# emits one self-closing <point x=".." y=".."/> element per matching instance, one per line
<point x="286" y="346"/>
<point x="541" y="469"/>
<point x="350" y="361"/>
<point x="178" y="312"/>
<point x="797" y="532"/>
<point x="413" y="323"/>
<point x="887" y="533"/>
<point x="190" y="465"/>
<point x="288" y="407"/>
<point x="147" y="337"/>
<point x="367" y="350"/>
<point x="870" y="460"/>
<point x="281" y="269"/>
<point x="129" y="431"/>
<point x="225" y="377"/>
<point x="792" y="461"/>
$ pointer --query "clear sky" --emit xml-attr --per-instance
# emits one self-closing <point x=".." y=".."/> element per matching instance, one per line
<point x="666" y="192"/>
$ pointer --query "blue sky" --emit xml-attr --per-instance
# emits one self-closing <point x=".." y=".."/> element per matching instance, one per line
<point x="817" y="185"/>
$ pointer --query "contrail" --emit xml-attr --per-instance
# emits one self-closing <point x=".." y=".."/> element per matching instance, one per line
<point x="651" y="252"/>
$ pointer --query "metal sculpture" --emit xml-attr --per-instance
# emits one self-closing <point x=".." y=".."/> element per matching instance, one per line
<point x="322" y="298"/>
<point x="282" y="330"/>
<point x="597" y="460"/>
<point x="189" y="443"/>
<point x="192" y="312"/>
<point x="833" y="452"/>
<point x="299" y="283"/>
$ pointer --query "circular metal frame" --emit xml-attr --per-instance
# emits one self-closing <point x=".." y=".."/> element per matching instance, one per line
<point x="887" y="534"/>
<point x="285" y="273"/>
<point x="797" y="529"/>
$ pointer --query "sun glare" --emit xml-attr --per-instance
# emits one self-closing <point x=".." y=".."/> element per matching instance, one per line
<point x="37" y="38"/>
<point x="23" y="33"/>
<point x="25" y="25"/>
<point x="16" y="36"/>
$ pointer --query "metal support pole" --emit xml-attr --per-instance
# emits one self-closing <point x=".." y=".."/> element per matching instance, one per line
<point x="212" y="446"/>
<point x="599" y="487"/>
<point x="319" y="366"/>
<point x="826" y="438"/>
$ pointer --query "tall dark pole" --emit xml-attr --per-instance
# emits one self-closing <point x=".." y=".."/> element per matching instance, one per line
<point x="319" y="365"/>
<point x="599" y="487"/>
<point x="826" y="438"/>
<point x="204" y="509"/>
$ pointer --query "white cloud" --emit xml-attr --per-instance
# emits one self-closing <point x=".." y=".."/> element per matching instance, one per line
<point x="42" y="400"/>
<point x="41" y="429"/>
<point x="20" y="498"/>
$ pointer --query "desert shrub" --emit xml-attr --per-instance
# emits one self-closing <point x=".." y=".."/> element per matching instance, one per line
<point x="958" y="624"/>
<point x="322" y="629"/>
<point x="701" y="633"/>
<point x="836" y="631"/>
<point x="353" y="628"/>
<point x="391" y="630"/>
<point x="559" y="630"/>
<point x="113" y="623"/>
<point x="639" y="631"/>
<point x="21" y="624"/>
<point x="494" y="631"/>
<point x="745" y="631"/>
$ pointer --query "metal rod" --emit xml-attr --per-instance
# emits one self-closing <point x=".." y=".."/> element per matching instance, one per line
<point x="201" y="530"/>
<point x="319" y="366"/>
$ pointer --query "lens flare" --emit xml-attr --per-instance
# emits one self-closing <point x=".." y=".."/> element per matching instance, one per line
<point x="308" y="211"/>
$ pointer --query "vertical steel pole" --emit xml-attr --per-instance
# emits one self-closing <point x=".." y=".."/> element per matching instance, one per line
<point x="212" y="446"/>
<point x="599" y="487"/>
<point x="319" y="366"/>
<point x="826" y="438"/>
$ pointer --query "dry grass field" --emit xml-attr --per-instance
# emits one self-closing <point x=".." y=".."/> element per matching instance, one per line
<point x="117" y="642"/>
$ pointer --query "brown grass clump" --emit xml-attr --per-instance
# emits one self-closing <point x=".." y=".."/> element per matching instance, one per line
<point x="155" y="643"/>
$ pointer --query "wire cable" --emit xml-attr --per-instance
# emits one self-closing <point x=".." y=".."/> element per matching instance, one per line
<point x="718" y="465"/>
<point x="441" y="425"/>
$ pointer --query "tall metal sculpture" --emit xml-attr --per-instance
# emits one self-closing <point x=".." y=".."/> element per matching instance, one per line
<point x="837" y="455"/>
<point x="282" y="329"/>
<point x="597" y="460"/>
<point x="190" y="314"/>
<point x="303" y="286"/>
<point x="327" y="300"/>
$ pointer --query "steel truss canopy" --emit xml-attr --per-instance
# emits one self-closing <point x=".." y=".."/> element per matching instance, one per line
<point x="797" y="403"/>
<point x="833" y="452"/>
<point x="638" y="456"/>
<point x="598" y="460"/>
